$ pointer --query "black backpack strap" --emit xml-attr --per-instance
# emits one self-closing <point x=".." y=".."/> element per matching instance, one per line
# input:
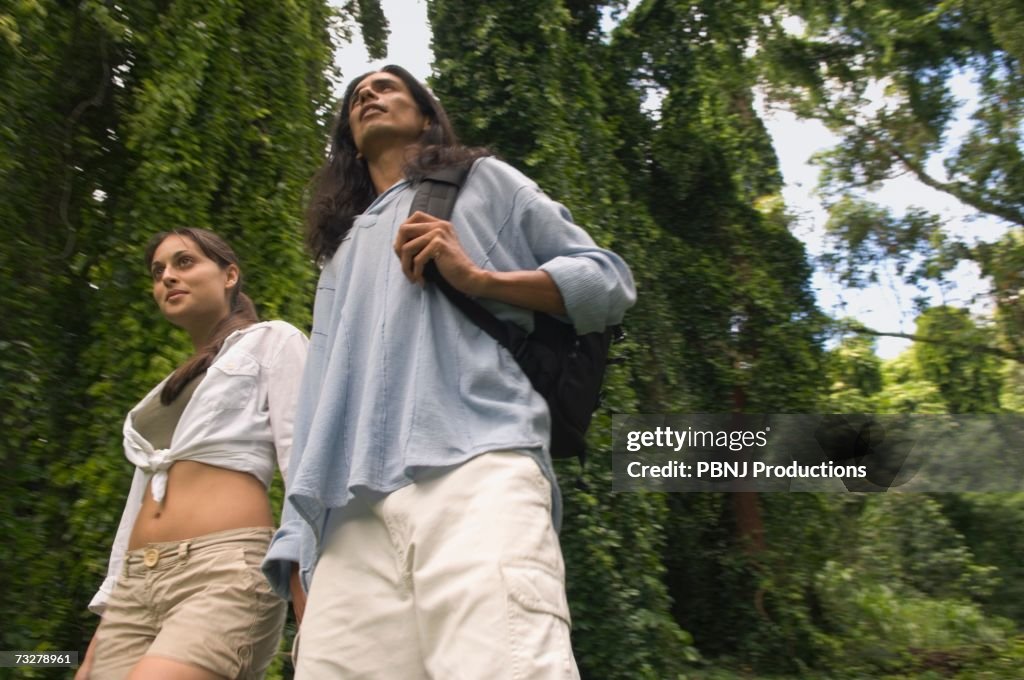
<point x="436" y="196"/>
<point x="438" y="190"/>
<point x="487" y="322"/>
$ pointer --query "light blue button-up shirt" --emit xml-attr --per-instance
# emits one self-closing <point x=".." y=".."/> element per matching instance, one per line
<point x="399" y="381"/>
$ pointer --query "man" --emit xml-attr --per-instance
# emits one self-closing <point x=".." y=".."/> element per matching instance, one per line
<point x="421" y="487"/>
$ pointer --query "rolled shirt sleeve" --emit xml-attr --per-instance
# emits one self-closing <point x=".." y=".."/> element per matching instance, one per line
<point x="292" y="544"/>
<point x="596" y="284"/>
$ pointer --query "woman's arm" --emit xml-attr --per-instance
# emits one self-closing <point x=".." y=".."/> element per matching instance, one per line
<point x="284" y="380"/>
<point x="281" y="564"/>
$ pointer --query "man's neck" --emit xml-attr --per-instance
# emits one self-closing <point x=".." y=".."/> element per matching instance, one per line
<point x="386" y="168"/>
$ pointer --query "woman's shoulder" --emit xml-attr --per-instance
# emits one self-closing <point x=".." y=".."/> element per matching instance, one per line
<point x="265" y="339"/>
<point x="278" y="327"/>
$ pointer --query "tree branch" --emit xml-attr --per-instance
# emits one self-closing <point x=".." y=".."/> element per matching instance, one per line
<point x="984" y="349"/>
<point x="953" y="189"/>
<point x="69" y="138"/>
<point x="834" y="118"/>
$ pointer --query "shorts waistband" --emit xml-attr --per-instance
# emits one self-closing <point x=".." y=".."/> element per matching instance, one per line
<point x="167" y="553"/>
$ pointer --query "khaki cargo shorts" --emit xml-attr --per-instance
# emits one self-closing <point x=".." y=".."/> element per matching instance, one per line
<point x="202" y="601"/>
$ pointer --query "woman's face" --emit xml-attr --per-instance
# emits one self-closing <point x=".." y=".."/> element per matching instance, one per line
<point x="192" y="290"/>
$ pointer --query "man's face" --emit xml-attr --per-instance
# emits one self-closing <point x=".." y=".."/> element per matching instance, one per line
<point x="383" y="113"/>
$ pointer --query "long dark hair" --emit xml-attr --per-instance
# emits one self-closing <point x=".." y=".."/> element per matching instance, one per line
<point x="342" y="188"/>
<point x="242" y="311"/>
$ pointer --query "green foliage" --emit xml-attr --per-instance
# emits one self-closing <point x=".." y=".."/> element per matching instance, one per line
<point x="912" y="49"/>
<point x="855" y="376"/>
<point x="945" y="374"/>
<point x="740" y="283"/>
<point x="620" y="608"/>
<point x="117" y="121"/>
<point x="1003" y="261"/>
<point x="881" y="76"/>
<point x="969" y="382"/>
<point x="907" y="540"/>
<point x="512" y="78"/>
<point x="374" y="27"/>
<point x="120" y="121"/>
<point x="906" y="391"/>
<point x="868" y="233"/>
<point x="725" y="320"/>
<point x="688" y="192"/>
<point x="852" y="586"/>
<point x="907" y="590"/>
<point x="993" y="527"/>
<point x="1012" y="398"/>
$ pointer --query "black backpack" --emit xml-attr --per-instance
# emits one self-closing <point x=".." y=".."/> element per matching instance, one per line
<point x="565" y="368"/>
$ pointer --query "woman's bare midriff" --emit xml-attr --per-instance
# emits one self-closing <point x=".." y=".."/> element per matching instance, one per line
<point x="201" y="499"/>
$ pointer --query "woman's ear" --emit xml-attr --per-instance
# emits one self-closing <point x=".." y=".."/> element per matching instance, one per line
<point x="233" y="276"/>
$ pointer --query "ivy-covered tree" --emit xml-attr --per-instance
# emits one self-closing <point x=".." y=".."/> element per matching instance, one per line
<point x="118" y="121"/>
<point x="726" y="321"/>
<point x="748" y="319"/>
<point x="518" y="77"/>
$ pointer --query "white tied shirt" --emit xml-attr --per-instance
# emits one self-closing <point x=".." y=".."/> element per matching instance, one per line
<point x="240" y="418"/>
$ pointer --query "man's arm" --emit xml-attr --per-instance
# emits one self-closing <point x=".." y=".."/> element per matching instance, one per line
<point x="298" y="594"/>
<point x="423" y="238"/>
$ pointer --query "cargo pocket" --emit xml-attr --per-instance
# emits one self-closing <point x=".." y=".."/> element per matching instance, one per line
<point x="538" y="622"/>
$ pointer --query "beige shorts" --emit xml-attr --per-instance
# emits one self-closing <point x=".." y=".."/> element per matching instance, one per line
<point x="457" y="577"/>
<point x="201" y="601"/>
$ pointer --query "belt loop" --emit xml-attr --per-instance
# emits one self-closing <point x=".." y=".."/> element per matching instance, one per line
<point x="183" y="550"/>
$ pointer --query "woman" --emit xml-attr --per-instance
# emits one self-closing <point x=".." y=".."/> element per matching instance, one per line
<point x="184" y="597"/>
